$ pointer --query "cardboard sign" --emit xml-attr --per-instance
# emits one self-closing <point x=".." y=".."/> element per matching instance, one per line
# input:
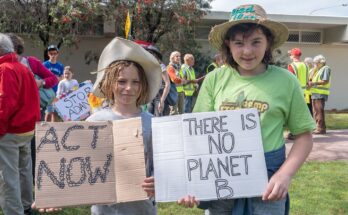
<point x="80" y="163"/>
<point x="215" y="155"/>
<point x="75" y="105"/>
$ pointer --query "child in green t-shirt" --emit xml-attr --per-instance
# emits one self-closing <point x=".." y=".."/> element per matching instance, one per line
<point x="249" y="81"/>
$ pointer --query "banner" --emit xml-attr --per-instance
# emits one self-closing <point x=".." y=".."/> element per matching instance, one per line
<point x="215" y="155"/>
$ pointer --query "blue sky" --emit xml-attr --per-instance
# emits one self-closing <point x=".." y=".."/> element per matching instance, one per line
<point x="290" y="7"/>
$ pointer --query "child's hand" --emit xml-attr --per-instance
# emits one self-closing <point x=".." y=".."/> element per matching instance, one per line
<point x="45" y="210"/>
<point x="277" y="187"/>
<point x="188" y="201"/>
<point x="149" y="186"/>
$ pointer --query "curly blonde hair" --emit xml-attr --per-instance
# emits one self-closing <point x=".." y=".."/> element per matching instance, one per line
<point x="109" y="81"/>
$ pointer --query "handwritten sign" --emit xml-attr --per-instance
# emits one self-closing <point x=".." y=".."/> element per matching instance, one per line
<point x="75" y="105"/>
<point x="215" y="155"/>
<point x="81" y="163"/>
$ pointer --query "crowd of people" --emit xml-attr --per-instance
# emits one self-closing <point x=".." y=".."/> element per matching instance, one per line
<point x="134" y="82"/>
<point x="315" y="81"/>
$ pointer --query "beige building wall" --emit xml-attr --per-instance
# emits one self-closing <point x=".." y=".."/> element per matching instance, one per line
<point x="74" y="57"/>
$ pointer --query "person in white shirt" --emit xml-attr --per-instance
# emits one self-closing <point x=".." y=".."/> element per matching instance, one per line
<point x="68" y="84"/>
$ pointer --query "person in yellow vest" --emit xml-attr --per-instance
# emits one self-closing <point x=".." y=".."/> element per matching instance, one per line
<point x="319" y="83"/>
<point x="218" y="61"/>
<point x="309" y="62"/>
<point x="189" y="74"/>
<point x="300" y="70"/>
<point x="176" y="77"/>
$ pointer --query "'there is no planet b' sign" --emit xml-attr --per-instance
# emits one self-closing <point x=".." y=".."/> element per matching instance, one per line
<point x="214" y="155"/>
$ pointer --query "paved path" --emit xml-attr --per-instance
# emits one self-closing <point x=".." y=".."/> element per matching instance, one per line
<point x="328" y="147"/>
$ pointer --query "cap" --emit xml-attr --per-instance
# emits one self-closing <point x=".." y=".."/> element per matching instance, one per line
<point x="295" y="52"/>
<point x="52" y="47"/>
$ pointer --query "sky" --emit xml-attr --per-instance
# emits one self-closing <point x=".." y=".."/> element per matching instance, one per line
<point x="290" y="7"/>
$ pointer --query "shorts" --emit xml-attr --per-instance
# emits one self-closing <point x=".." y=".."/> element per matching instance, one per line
<point x="50" y="109"/>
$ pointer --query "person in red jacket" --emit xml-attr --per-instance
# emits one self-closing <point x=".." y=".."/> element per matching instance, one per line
<point x="47" y="78"/>
<point x="19" y="110"/>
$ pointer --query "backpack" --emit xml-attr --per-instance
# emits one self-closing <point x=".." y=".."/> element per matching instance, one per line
<point x="47" y="95"/>
<point x="172" y="97"/>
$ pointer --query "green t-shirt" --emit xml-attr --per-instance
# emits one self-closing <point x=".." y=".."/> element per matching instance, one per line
<point x="276" y="94"/>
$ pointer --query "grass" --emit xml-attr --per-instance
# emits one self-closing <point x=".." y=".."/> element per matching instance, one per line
<point x="318" y="188"/>
<point x="336" y="120"/>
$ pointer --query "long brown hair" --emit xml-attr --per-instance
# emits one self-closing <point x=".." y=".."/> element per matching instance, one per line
<point x="247" y="29"/>
<point x="109" y="81"/>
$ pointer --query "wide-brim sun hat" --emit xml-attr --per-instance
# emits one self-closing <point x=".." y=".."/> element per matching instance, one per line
<point x="250" y="13"/>
<point x="122" y="49"/>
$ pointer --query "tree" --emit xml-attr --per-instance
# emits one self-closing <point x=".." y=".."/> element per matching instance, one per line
<point x="167" y="23"/>
<point x="59" y="22"/>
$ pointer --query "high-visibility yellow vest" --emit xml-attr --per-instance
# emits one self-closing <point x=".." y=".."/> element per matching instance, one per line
<point x="302" y="73"/>
<point x="211" y="67"/>
<point x="189" y="89"/>
<point x="178" y="73"/>
<point x="321" y="89"/>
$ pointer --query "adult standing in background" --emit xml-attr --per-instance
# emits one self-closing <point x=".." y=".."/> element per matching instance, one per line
<point x="56" y="68"/>
<point x="309" y="62"/>
<point x="319" y="83"/>
<point x="301" y="71"/>
<point x="48" y="79"/>
<point x="189" y="74"/>
<point x="298" y="68"/>
<point x="218" y="61"/>
<point x="19" y="110"/>
<point x="176" y="77"/>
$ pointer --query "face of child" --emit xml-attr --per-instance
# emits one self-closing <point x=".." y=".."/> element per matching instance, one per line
<point x="127" y="87"/>
<point x="67" y="74"/>
<point x="248" y="52"/>
<point x="53" y="55"/>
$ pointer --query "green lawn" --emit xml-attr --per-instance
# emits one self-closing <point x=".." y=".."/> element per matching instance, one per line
<point x="320" y="188"/>
<point x="336" y="120"/>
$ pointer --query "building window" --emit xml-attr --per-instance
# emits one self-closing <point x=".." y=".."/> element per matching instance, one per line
<point x="313" y="37"/>
<point x="294" y="36"/>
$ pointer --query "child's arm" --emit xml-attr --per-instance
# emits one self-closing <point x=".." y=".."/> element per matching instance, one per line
<point x="278" y="185"/>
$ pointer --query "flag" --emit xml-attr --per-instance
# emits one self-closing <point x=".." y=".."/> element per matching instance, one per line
<point x="127" y="26"/>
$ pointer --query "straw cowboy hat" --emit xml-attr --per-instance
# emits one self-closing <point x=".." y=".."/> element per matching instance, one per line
<point x="251" y="13"/>
<point x="122" y="49"/>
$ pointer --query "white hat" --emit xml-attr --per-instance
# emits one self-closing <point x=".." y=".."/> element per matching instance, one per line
<point x="122" y="49"/>
<point x="251" y="13"/>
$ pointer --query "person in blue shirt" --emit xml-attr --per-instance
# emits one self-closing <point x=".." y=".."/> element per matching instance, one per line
<point x="56" y="68"/>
